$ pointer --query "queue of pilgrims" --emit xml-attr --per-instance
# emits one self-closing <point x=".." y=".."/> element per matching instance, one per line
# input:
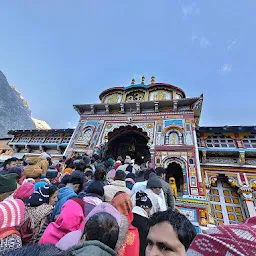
<point x="86" y="205"/>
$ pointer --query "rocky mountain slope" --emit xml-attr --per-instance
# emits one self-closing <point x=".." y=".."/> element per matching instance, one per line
<point x="14" y="111"/>
<point x="40" y="124"/>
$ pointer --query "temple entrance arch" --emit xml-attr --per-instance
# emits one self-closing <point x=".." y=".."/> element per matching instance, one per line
<point x="128" y="140"/>
<point x="176" y="167"/>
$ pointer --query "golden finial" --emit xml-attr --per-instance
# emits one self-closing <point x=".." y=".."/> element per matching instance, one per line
<point x="133" y="81"/>
<point x="152" y="79"/>
<point x="142" y="79"/>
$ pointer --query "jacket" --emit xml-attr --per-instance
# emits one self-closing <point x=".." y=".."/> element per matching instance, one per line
<point x="111" y="190"/>
<point x="140" y="221"/>
<point x="63" y="196"/>
<point x="168" y="194"/>
<point x="36" y="167"/>
<point x="95" y="248"/>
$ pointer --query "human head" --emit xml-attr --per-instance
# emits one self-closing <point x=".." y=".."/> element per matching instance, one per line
<point x="89" y="174"/>
<point x="8" y="183"/>
<point x="160" y="171"/>
<point x="147" y="173"/>
<point x="96" y="187"/>
<point x="143" y="201"/>
<point x="75" y="182"/>
<point x="122" y="202"/>
<point x="155" y="185"/>
<point x="53" y="194"/>
<point x="100" y="173"/>
<point x="24" y="191"/>
<point x="9" y="163"/>
<point x="120" y="175"/>
<point x="230" y="239"/>
<point x="170" y="233"/>
<point x="128" y="160"/>
<point x="102" y="227"/>
<point x="117" y="164"/>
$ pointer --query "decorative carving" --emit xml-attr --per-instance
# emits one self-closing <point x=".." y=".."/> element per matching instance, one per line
<point x="204" y="156"/>
<point x="152" y="79"/>
<point x="188" y="138"/>
<point x="221" y="160"/>
<point x="213" y="180"/>
<point x="133" y="81"/>
<point x="242" y="157"/>
<point x="245" y="192"/>
<point x="135" y="96"/>
<point x="232" y="181"/>
<point x="253" y="184"/>
<point x="250" y="162"/>
<point x="143" y="80"/>
<point x="203" y="217"/>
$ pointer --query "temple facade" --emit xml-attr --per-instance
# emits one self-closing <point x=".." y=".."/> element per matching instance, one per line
<point x="212" y="170"/>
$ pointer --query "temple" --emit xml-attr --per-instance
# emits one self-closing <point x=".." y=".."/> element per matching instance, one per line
<point x="211" y="169"/>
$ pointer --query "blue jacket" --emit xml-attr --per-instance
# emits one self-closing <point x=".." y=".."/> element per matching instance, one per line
<point x="63" y="196"/>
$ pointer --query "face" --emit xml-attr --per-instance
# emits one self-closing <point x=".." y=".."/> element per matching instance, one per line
<point x="163" y="241"/>
<point x="157" y="190"/>
<point x="11" y="165"/>
<point x="53" y="199"/>
<point x="76" y="187"/>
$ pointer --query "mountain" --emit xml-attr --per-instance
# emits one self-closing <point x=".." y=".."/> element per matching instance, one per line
<point x="14" y="110"/>
<point x="40" y="124"/>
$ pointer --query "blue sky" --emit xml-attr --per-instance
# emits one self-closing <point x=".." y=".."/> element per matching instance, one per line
<point x="59" y="53"/>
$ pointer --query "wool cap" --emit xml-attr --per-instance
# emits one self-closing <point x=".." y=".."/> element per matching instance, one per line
<point x="96" y="187"/>
<point x="51" y="173"/>
<point x="226" y="240"/>
<point x="40" y="184"/>
<point x="24" y="191"/>
<point x="154" y="182"/>
<point x="111" y="174"/>
<point x="108" y="208"/>
<point x="142" y="200"/>
<point x="68" y="170"/>
<point x="11" y="213"/>
<point x="120" y="175"/>
<point x="117" y="164"/>
<point x="8" y="182"/>
<point x="39" y="197"/>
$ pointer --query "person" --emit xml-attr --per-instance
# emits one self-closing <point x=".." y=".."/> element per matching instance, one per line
<point x="123" y="204"/>
<point x="36" y="167"/>
<point x="8" y="184"/>
<point x="101" y="235"/>
<point x="141" y="213"/>
<point x="65" y="193"/>
<point x="117" y="185"/>
<point x="71" y="218"/>
<point x="130" y="180"/>
<point x="127" y="162"/>
<point x="9" y="163"/>
<point x="9" y="235"/>
<point x="226" y="240"/>
<point x="100" y="174"/>
<point x="38" y="208"/>
<point x="170" y="234"/>
<point x="153" y="190"/>
<point x="168" y="193"/>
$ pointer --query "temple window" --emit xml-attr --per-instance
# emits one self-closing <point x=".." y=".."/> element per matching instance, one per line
<point x="37" y="140"/>
<point x="66" y="140"/>
<point x="220" y="141"/>
<point x="173" y="138"/>
<point x="199" y="142"/>
<point x="191" y="161"/>
<point x="52" y="140"/>
<point x="249" y="141"/>
<point x="24" y="139"/>
<point x="159" y="128"/>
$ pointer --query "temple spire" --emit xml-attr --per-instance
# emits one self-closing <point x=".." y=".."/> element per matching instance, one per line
<point x="133" y="81"/>
<point x="152" y="79"/>
<point x="142" y="79"/>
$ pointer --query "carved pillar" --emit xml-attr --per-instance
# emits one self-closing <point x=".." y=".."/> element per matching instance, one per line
<point x="138" y="107"/>
<point x="242" y="157"/>
<point x="204" y="156"/>
<point x="245" y="193"/>
<point x="180" y="139"/>
<point x="107" y="108"/>
<point x="121" y="108"/>
<point x="175" y="105"/>
<point x="156" y="106"/>
<point x="92" y="109"/>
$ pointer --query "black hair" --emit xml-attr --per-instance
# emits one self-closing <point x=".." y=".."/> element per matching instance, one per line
<point x="182" y="226"/>
<point x="159" y="171"/>
<point x="65" y="180"/>
<point x="75" y="180"/>
<point x="102" y="227"/>
<point x="88" y="174"/>
<point x="8" y="161"/>
<point x="100" y="173"/>
<point x="52" y="189"/>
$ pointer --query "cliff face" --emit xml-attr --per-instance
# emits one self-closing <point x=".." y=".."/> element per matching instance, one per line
<point x="41" y="125"/>
<point x="14" y="111"/>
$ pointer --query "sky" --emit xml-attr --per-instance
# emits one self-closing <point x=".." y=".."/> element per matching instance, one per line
<point x="63" y="52"/>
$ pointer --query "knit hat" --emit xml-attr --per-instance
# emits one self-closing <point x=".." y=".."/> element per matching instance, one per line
<point x="111" y="174"/>
<point x="142" y="200"/>
<point x="51" y="173"/>
<point x="117" y="164"/>
<point x="131" y="176"/>
<point x="40" y="184"/>
<point x="68" y="170"/>
<point x="96" y="187"/>
<point x="30" y="180"/>
<point x="226" y="240"/>
<point x="24" y="191"/>
<point x="11" y="213"/>
<point x="120" y="175"/>
<point x="39" y="197"/>
<point x="8" y="182"/>
<point x="122" y="202"/>
<point x="154" y="182"/>
<point x="105" y="207"/>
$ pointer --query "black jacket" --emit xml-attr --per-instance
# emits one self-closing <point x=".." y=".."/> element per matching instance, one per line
<point x="141" y="223"/>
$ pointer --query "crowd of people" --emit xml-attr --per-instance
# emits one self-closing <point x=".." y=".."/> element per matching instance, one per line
<point x="86" y="205"/>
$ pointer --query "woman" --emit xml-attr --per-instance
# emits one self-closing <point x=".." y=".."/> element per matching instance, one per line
<point x="123" y="204"/>
<point x="71" y="218"/>
<point x="37" y="213"/>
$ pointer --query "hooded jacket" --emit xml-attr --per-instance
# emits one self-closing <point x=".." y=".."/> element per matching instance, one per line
<point x="63" y="196"/>
<point x="116" y="186"/>
<point x="92" y="248"/>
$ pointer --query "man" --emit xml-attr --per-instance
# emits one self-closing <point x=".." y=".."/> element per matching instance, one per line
<point x="170" y="234"/>
<point x="117" y="185"/>
<point x="168" y="193"/>
<point x="9" y="163"/>
<point x="8" y="184"/>
<point x="153" y="190"/>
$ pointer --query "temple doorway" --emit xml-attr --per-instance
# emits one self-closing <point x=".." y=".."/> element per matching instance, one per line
<point x="128" y="140"/>
<point x="175" y="170"/>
